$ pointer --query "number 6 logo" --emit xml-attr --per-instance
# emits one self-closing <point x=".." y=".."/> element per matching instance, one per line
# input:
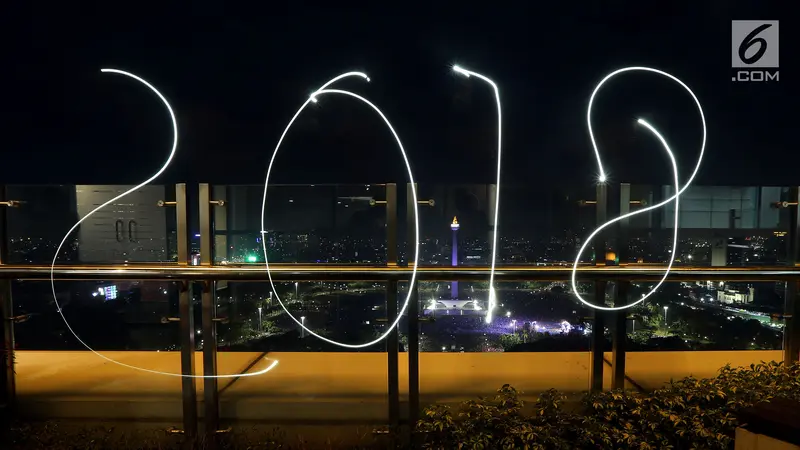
<point x="749" y="41"/>
<point x="754" y="44"/>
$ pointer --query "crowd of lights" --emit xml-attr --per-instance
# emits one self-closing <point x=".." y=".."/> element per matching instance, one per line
<point x="314" y="98"/>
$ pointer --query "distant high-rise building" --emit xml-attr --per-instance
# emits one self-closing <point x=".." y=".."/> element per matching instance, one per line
<point x="132" y="229"/>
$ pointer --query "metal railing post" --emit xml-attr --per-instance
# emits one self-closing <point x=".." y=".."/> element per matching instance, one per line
<point x="392" y="341"/>
<point x="791" y="332"/>
<point x="598" y="342"/>
<point x="620" y="336"/>
<point x="209" y="315"/>
<point x="186" y="308"/>
<point x="413" y="320"/>
<point x="391" y="225"/>
<point x="413" y="358"/>
<point x="6" y="312"/>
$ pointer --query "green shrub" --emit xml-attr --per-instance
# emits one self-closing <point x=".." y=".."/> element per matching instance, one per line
<point x="687" y="414"/>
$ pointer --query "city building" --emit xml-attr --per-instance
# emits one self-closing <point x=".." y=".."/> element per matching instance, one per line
<point x="736" y="294"/>
<point x="132" y="229"/>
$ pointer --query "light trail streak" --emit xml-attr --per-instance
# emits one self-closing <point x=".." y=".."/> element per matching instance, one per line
<point x="109" y="202"/>
<point x="492" y="292"/>
<point x="603" y="177"/>
<point x="313" y="99"/>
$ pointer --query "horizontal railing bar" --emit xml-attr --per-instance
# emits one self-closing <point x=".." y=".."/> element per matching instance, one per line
<point x="324" y="272"/>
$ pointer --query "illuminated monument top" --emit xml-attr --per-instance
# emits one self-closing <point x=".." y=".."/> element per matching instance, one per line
<point x="455" y="226"/>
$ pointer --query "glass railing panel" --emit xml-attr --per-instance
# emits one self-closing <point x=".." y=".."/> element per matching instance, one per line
<point x="542" y="330"/>
<point x="538" y="339"/>
<point x="335" y="224"/>
<point x="540" y="225"/>
<point x="125" y="322"/>
<point x="133" y="229"/>
<point x="696" y="328"/>
<point x="346" y="312"/>
<point x="719" y="226"/>
<point x="106" y="315"/>
<point x="313" y="379"/>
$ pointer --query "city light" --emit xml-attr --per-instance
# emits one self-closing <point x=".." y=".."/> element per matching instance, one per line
<point x="163" y="167"/>
<point x="492" y="293"/>
<point x="603" y="177"/>
<point x="314" y="99"/>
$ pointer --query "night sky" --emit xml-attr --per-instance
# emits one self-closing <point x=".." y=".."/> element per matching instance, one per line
<point x="236" y="75"/>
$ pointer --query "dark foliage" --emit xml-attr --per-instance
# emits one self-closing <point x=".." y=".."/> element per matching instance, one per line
<point x="687" y="414"/>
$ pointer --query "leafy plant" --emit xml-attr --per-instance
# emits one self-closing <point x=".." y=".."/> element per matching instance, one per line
<point x="687" y="414"/>
<point x="508" y="341"/>
<point x="487" y="423"/>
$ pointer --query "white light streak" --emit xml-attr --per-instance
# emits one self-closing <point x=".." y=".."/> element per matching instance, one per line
<point x="492" y="291"/>
<point x="323" y="91"/>
<point x="82" y="219"/>
<point x="603" y="177"/>
<point x="330" y="82"/>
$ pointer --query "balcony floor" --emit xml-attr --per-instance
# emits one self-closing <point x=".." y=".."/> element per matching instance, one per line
<point x="320" y="387"/>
